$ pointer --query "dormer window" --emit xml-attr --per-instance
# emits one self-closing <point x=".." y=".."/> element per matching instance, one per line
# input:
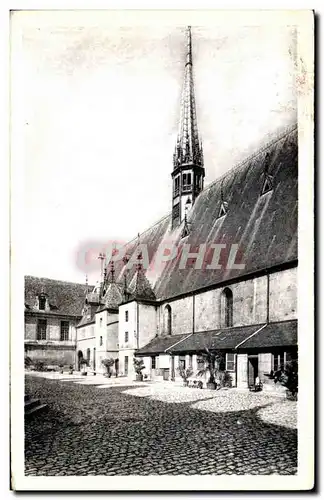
<point x="223" y="209"/>
<point x="267" y="184"/>
<point x="41" y="302"/>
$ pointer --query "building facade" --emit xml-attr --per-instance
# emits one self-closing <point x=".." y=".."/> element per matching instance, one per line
<point x="53" y="309"/>
<point x="231" y="286"/>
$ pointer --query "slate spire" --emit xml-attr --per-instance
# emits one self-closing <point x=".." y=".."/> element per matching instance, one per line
<point x="188" y="160"/>
<point x="188" y="147"/>
<point x="140" y="287"/>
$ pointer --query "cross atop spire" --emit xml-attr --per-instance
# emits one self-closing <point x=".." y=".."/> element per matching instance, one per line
<point x="188" y="147"/>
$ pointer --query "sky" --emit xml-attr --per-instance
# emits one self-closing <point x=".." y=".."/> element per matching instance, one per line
<point x="100" y="119"/>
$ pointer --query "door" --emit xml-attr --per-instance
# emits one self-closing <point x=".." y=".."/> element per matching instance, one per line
<point x="94" y="359"/>
<point x="126" y="365"/>
<point x="80" y="356"/>
<point x="166" y="374"/>
<point x="253" y="368"/>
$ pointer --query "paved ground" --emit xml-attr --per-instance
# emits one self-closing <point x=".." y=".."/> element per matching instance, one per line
<point x="109" y="429"/>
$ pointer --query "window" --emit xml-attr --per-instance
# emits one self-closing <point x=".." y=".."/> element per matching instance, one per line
<point x="153" y="362"/>
<point x="198" y="180"/>
<point x="230" y="362"/>
<point x="167" y="320"/>
<point x="287" y="357"/>
<point x="126" y="316"/>
<point x="126" y="336"/>
<point x="186" y="182"/>
<point x="41" y="329"/>
<point x="176" y="210"/>
<point x="65" y="326"/>
<point x="100" y="322"/>
<point x="41" y="302"/>
<point x="100" y="340"/>
<point x="176" y="185"/>
<point x="126" y="365"/>
<point x="200" y="363"/>
<point x="186" y="179"/>
<point x="182" y="362"/>
<point x="227" y="303"/>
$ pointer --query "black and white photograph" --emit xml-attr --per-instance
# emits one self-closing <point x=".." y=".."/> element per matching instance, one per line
<point x="162" y="250"/>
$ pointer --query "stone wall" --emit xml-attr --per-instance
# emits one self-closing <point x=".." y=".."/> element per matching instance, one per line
<point x="147" y="323"/>
<point x="249" y="304"/>
<point x="130" y="354"/>
<point x="53" y="331"/>
<point x="182" y="314"/>
<point x="283" y="295"/>
<point x="129" y="326"/>
<point x="86" y="332"/>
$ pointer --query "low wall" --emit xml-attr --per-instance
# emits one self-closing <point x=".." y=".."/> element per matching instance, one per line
<point x="52" y="356"/>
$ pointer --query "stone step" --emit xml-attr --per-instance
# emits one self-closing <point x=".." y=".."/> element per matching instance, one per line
<point x="35" y="410"/>
<point x="31" y="403"/>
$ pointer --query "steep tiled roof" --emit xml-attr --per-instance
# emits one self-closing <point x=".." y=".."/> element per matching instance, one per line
<point x="64" y="297"/>
<point x="283" y="333"/>
<point x="113" y="296"/>
<point x="160" y="344"/>
<point x="264" y="227"/>
<point x="279" y="334"/>
<point x="152" y="238"/>
<point x="226" y="338"/>
<point x="140" y="287"/>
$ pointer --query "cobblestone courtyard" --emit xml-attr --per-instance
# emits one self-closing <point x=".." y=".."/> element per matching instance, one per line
<point x="152" y="429"/>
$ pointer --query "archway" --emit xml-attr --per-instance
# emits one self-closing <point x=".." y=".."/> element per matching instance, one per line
<point x="167" y="320"/>
<point x="227" y="307"/>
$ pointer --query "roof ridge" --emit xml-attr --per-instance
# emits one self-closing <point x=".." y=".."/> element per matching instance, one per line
<point x="55" y="280"/>
<point x="288" y="130"/>
<point x="148" y="229"/>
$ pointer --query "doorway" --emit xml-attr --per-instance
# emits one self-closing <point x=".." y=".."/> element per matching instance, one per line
<point x="253" y="368"/>
<point x="94" y="359"/>
<point x="80" y="356"/>
<point x="126" y="365"/>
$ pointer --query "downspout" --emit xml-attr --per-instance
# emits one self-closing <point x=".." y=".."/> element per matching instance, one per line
<point x="193" y="313"/>
<point x="76" y="348"/>
<point x="137" y="324"/>
<point x="268" y="297"/>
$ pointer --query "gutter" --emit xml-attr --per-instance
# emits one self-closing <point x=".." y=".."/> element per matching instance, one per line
<point x="252" y="335"/>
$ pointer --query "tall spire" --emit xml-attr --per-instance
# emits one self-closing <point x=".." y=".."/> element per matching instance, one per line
<point x="188" y="160"/>
<point x="188" y="147"/>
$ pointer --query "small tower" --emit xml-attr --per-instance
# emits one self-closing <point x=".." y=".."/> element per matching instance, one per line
<point x="188" y="161"/>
